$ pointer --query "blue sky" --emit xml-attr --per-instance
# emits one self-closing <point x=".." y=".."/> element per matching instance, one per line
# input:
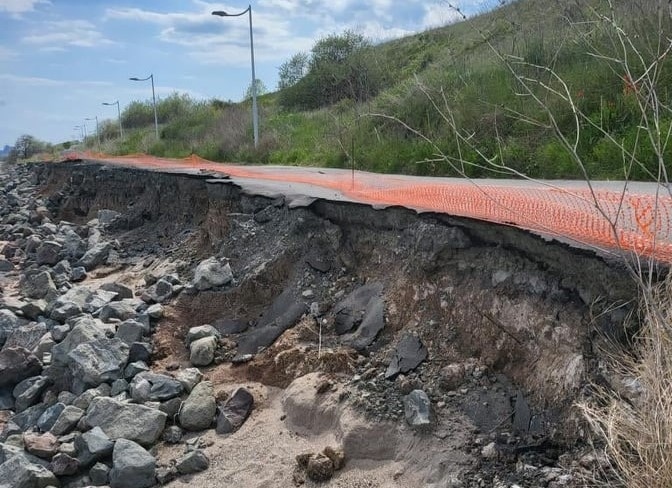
<point x="59" y="60"/>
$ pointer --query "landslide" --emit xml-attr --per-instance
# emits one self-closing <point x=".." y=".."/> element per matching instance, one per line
<point x="512" y="323"/>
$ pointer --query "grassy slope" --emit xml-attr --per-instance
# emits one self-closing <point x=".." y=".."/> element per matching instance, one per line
<point x="460" y="72"/>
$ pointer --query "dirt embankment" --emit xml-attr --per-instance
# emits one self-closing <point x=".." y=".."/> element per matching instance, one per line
<point x="511" y="323"/>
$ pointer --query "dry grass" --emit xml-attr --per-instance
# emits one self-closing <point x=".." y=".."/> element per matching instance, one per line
<point x="636" y="427"/>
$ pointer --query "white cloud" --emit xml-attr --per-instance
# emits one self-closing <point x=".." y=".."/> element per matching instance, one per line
<point x="57" y="35"/>
<point x="438" y="15"/>
<point x="16" y="7"/>
<point x="39" y="81"/>
<point x="6" y="53"/>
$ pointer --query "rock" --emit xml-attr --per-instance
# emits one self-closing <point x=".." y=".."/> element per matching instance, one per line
<point x="27" y="419"/>
<point x="372" y="323"/>
<point x="189" y="378"/>
<point x="49" y="417"/>
<point x="58" y="332"/>
<point x="140" y="390"/>
<point x="41" y="445"/>
<point x="98" y="361"/>
<point x="336" y="455"/>
<point x="522" y="415"/>
<point x="132" y="466"/>
<point x="5" y="265"/>
<point x="211" y="273"/>
<point x="49" y="253"/>
<point x="196" y="333"/>
<point x="78" y="274"/>
<point x="93" y="446"/>
<point x="28" y="391"/>
<point x="63" y="312"/>
<point x="320" y="468"/>
<point x="121" y="310"/>
<point x="95" y="256"/>
<point x="17" y="364"/>
<point x="64" y="465"/>
<point x="34" y="308"/>
<point x="140" y="351"/>
<point x="19" y="472"/>
<point x="85" y="398"/>
<point x="162" y="387"/>
<point x="67" y="420"/>
<point x="417" y="408"/>
<point x="198" y="410"/>
<point x="27" y="336"/>
<point x="409" y="353"/>
<point x="350" y="311"/>
<point x="122" y="291"/>
<point x="99" y="474"/>
<point x="8" y="323"/>
<point x="106" y="217"/>
<point x="490" y="451"/>
<point x="119" y="386"/>
<point x="135" y="368"/>
<point x="6" y="400"/>
<point x="118" y="420"/>
<point x="165" y="475"/>
<point x="233" y="413"/>
<point x="192" y="462"/>
<point x="85" y="298"/>
<point x="202" y="351"/>
<point x="172" y="434"/>
<point x="84" y="331"/>
<point x="451" y="377"/>
<point x="38" y="284"/>
<point x="159" y="292"/>
<point x="155" y="311"/>
<point x="74" y="246"/>
<point x="130" y="331"/>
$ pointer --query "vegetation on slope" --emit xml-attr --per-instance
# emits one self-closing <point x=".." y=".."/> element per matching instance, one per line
<point x="395" y="107"/>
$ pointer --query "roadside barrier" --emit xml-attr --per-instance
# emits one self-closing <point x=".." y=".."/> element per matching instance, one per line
<point x="611" y="220"/>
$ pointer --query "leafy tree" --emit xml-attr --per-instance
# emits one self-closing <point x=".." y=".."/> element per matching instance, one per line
<point x="261" y="89"/>
<point x="292" y="70"/>
<point x="26" y="146"/>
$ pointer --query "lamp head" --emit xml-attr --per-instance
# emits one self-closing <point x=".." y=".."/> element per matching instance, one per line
<point x="220" y="13"/>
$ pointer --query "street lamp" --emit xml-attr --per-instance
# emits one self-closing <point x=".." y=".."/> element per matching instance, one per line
<point x="97" y="131"/>
<point x="80" y="128"/>
<point x="255" y="112"/>
<point x="121" y="129"/>
<point x="86" y="134"/>
<point x="156" y="119"/>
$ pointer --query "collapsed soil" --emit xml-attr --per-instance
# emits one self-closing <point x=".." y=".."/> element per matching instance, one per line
<point x="517" y="316"/>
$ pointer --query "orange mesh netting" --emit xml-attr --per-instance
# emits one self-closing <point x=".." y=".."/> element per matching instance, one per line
<point x="608" y="219"/>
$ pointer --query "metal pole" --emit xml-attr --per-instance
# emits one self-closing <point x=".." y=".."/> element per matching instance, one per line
<point x="97" y="133"/>
<point x="121" y="128"/>
<point x="255" y="110"/>
<point x="156" y="119"/>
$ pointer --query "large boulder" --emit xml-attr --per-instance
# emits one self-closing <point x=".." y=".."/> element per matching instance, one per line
<point x="198" y="410"/>
<point x="132" y="466"/>
<point x="66" y="420"/>
<point x="119" y="420"/>
<point x="8" y="322"/>
<point x="98" y="361"/>
<point x="121" y="310"/>
<point x="27" y="336"/>
<point x="95" y="256"/>
<point x="211" y="273"/>
<point x="17" y="364"/>
<point x="84" y="298"/>
<point x="49" y="253"/>
<point x="92" y="446"/>
<point x="19" y="472"/>
<point x="233" y="413"/>
<point x="29" y="391"/>
<point x="84" y="330"/>
<point x="162" y="387"/>
<point x="38" y="284"/>
<point x="202" y="351"/>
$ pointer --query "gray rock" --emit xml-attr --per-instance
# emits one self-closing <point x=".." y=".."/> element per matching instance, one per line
<point x="198" y="410"/>
<point x="5" y="265"/>
<point x="6" y="399"/>
<point x="233" y="413"/>
<point x="200" y="332"/>
<point x="48" y="253"/>
<point x="159" y="292"/>
<point x="121" y="310"/>
<point x="189" y="378"/>
<point x="122" y="291"/>
<point x="171" y="407"/>
<point x="65" y="311"/>
<point x="350" y="311"/>
<point x="417" y="408"/>
<point x="211" y="273"/>
<point x="78" y="274"/>
<point x="93" y="446"/>
<point x="18" y="472"/>
<point x="84" y="331"/>
<point x="140" y="351"/>
<point x="132" y="466"/>
<point x="85" y="398"/>
<point x="67" y="420"/>
<point x="372" y="323"/>
<point x="49" y="417"/>
<point x="138" y="423"/>
<point x="27" y="336"/>
<point x="192" y="462"/>
<point x="34" y="308"/>
<point x="29" y="391"/>
<point x="64" y="465"/>
<point x="99" y="474"/>
<point x="66" y="397"/>
<point x="106" y="216"/>
<point x="27" y="419"/>
<point x="38" y="284"/>
<point x="95" y="256"/>
<point x="320" y="468"/>
<point x="130" y="331"/>
<point x="119" y="386"/>
<point x="410" y="352"/>
<point x="202" y="351"/>
<point x="165" y="475"/>
<point x="59" y="332"/>
<point x="163" y="387"/>
<point x="155" y="311"/>
<point x="85" y="298"/>
<point x="74" y="246"/>
<point x="8" y="322"/>
<point x="140" y="390"/>
<point x="17" y="364"/>
<point x="134" y="368"/>
<point x="172" y="434"/>
<point x="98" y="361"/>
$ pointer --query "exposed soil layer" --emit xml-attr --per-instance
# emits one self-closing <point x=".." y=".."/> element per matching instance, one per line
<point x="511" y="322"/>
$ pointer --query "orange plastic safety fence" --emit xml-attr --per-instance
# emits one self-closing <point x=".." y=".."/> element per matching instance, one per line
<point x="609" y="220"/>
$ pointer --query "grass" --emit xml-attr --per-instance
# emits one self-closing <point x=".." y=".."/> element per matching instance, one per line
<point x="458" y="66"/>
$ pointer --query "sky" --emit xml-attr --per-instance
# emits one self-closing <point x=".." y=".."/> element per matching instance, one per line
<point x="61" y="59"/>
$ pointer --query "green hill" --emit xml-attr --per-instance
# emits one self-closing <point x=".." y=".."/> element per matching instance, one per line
<point x="488" y="96"/>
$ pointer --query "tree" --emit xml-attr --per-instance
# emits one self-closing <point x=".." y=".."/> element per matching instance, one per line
<point x="261" y="89"/>
<point x="292" y="70"/>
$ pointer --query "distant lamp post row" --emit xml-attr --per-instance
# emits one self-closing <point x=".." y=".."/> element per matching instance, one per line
<point x="156" y="119"/>
<point x="97" y="129"/>
<point x="121" y="128"/>
<point x="255" y="112"/>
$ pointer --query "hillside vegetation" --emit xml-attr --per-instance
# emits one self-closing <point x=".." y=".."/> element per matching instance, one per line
<point x="436" y="102"/>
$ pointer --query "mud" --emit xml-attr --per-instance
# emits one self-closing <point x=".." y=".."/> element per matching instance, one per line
<point x="519" y="318"/>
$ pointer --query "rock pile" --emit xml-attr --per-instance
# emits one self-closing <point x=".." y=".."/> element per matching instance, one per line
<point x="79" y="404"/>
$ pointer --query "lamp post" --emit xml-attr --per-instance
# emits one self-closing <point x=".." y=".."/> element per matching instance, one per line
<point x="121" y="129"/>
<point x="255" y="111"/>
<point x="156" y="119"/>
<point x="86" y="134"/>
<point x="80" y="128"/>
<point x="97" y="131"/>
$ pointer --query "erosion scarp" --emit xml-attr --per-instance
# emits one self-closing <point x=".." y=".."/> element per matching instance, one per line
<point x="427" y="350"/>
